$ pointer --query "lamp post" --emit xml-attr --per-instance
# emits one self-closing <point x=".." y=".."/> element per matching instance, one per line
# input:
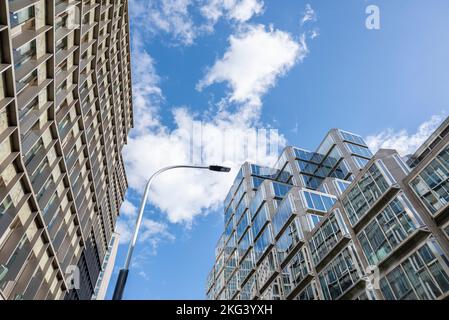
<point x="123" y="275"/>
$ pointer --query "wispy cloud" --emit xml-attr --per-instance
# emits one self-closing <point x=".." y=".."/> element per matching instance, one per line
<point x="237" y="10"/>
<point x="404" y="142"/>
<point x="185" y="20"/>
<point x="308" y="15"/>
<point x="151" y="232"/>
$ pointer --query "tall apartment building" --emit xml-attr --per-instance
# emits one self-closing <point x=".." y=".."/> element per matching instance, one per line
<point x="65" y="112"/>
<point x="338" y="223"/>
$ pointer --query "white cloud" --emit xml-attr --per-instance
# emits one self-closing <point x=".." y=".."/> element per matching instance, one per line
<point x="144" y="275"/>
<point x="308" y="15"/>
<point x="238" y="10"/>
<point x="255" y="59"/>
<point x="151" y="232"/>
<point x="402" y="141"/>
<point x="128" y="209"/>
<point x="167" y="16"/>
<point x="314" y="33"/>
<point x="185" y="20"/>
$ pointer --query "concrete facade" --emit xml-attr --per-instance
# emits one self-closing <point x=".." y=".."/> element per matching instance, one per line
<point x="65" y="112"/>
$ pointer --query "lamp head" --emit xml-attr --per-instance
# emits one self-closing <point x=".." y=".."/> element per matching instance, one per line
<point x="219" y="168"/>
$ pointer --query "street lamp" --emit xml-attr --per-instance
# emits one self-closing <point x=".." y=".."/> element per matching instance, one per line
<point x="123" y="275"/>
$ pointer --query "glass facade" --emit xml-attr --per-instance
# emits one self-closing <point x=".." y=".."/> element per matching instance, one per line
<point x="289" y="240"/>
<point x="364" y="194"/>
<point x="340" y="274"/>
<point x="327" y="236"/>
<point x="422" y="276"/>
<point x="342" y="214"/>
<point x="387" y="231"/>
<point x="296" y="270"/>
<point x="317" y="201"/>
<point x="432" y="183"/>
<point x="308" y="293"/>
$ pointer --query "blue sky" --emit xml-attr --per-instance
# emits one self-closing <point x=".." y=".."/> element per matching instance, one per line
<point x="245" y="64"/>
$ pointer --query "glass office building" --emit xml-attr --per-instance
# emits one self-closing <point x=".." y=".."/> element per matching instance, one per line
<point x="338" y="223"/>
<point x="65" y="113"/>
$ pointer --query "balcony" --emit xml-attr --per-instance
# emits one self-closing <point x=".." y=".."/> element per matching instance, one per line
<point x="28" y="35"/>
<point x="32" y="115"/>
<point x="31" y="92"/>
<point x="62" y="54"/>
<point x="17" y="5"/>
<point x="64" y="6"/>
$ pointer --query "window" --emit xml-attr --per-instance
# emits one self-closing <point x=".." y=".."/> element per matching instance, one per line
<point x="25" y="110"/>
<point x="21" y="16"/>
<point x="266" y="269"/>
<point x="311" y="182"/>
<point x="432" y="183"/>
<point x="402" y="164"/>
<point x="340" y="274"/>
<point x="227" y="215"/>
<point x="249" y="289"/>
<point x="262" y="243"/>
<point x="272" y="292"/>
<point x="22" y="246"/>
<point x="265" y="172"/>
<point x="229" y="228"/>
<point x="358" y="150"/>
<point x="6" y="204"/>
<point x="386" y="231"/>
<point x="289" y="239"/>
<point x="64" y="123"/>
<point x="282" y="214"/>
<point x="318" y="201"/>
<point x="241" y="207"/>
<point x="303" y="154"/>
<point x="280" y="190"/>
<point x="246" y="265"/>
<point x="260" y="221"/>
<point x="341" y="185"/>
<point x="422" y="276"/>
<point x="61" y="45"/>
<point x="245" y="243"/>
<point x="327" y="236"/>
<point x="256" y="202"/>
<point x="313" y="220"/>
<point x="308" y="293"/>
<point x="341" y="171"/>
<point x="350" y="137"/>
<point x="61" y="22"/>
<point x="296" y="270"/>
<point x="61" y="87"/>
<point x="32" y="153"/>
<point x="29" y="80"/>
<point x="364" y="194"/>
<point x="360" y="162"/>
<point x="243" y="225"/>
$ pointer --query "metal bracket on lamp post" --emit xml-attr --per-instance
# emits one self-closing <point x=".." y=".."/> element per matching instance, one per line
<point x="123" y="275"/>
